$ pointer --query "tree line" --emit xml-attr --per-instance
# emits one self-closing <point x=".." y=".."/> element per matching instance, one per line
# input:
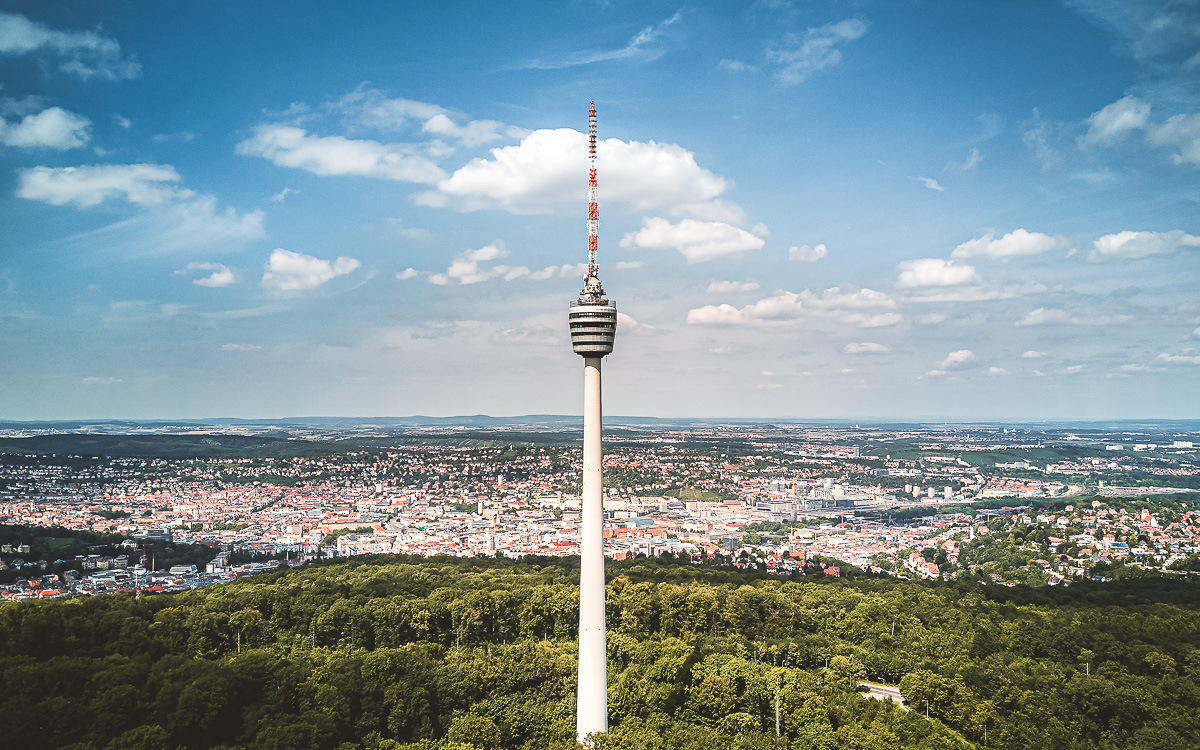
<point x="394" y="652"/>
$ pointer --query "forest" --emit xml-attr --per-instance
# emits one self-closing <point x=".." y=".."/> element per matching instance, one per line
<point x="457" y="653"/>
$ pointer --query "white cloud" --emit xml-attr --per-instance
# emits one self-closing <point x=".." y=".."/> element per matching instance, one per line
<point x="219" y="275"/>
<point x="1182" y="133"/>
<point x="848" y="305"/>
<point x="278" y="197"/>
<point x="768" y="386"/>
<point x="978" y="293"/>
<point x="882" y="320"/>
<point x="973" y="159"/>
<point x="731" y="287"/>
<point x="408" y="273"/>
<point x="1115" y="122"/>
<point x="644" y="46"/>
<point x="286" y="271"/>
<point x="51" y="128"/>
<point x="930" y="319"/>
<point x="469" y="268"/>
<point x="1186" y="359"/>
<point x="545" y="169"/>
<point x="289" y="146"/>
<point x="85" y="187"/>
<point x="94" y="380"/>
<point x="997" y="371"/>
<point x="629" y="326"/>
<point x="240" y="347"/>
<point x="816" y="50"/>
<point x="807" y="254"/>
<point x="85" y="54"/>
<point x="173" y="217"/>
<point x="736" y="66"/>
<point x="1037" y="140"/>
<point x="1134" y="368"/>
<point x="1044" y="316"/>
<point x="720" y="350"/>
<point x="1057" y="316"/>
<point x="934" y="272"/>
<point x="930" y="183"/>
<point x="865" y="347"/>
<point x="564" y="271"/>
<point x="1076" y="369"/>
<point x="1132" y="245"/>
<point x="1032" y="354"/>
<point x="1015" y="244"/>
<point x="627" y="265"/>
<point x="957" y="359"/>
<point x="698" y="241"/>
<point x="535" y="336"/>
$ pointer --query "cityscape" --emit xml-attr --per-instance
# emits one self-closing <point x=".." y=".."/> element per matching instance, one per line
<point x="915" y="502"/>
<point x="893" y="440"/>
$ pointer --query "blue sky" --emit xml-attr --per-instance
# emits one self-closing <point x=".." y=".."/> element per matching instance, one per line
<point x="808" y="209"/>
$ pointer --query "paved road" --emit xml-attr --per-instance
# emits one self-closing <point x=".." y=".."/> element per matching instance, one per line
<point x="883" y="692"/>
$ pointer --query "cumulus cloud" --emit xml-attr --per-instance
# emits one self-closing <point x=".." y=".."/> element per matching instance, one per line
<point x="1057" y="316"/>
<point x="1016" y="243"/>
<point x="88" y="186"/>
<point x="957" y="359"/>
<point x="818" y="48"/>
<point x="173" y="217"/>
<point x="1032" y="354"/>
<point x="544" y="169"/>
<point x="1129" y="245"/>
<point x="848" y="305"/>
<point x="865" y="347"/>
<point x="51" y="128"/>
<point x="934" y="272"/>
<point x="1113" y="124"/>
<point x="930" y="183"/>
<point x="997" y="371"/>
<point x="287" y="271"/>
<point x="698" y="241"/>
<point x="1184" y="359"/>
<point x="85" y="54"/>
<point x="466" y="267"/>
<point x="289" y="146"/>
<point x="218" y="275"/>
<point x="1181" y="133"/>
<point x="807" y="254"/>
<point x="408" y="273"/>
<point x="732" y="287"/>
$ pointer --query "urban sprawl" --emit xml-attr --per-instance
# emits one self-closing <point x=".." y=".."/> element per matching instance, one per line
<point x="1001" y="506"/>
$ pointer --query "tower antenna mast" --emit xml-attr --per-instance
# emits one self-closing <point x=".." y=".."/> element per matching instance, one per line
<point x="593" y="223"/>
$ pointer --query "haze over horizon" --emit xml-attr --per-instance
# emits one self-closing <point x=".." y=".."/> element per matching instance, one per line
<point x="821" y="210"/>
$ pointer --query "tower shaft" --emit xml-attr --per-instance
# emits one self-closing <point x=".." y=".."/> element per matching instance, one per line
<point x="592" y="700"/>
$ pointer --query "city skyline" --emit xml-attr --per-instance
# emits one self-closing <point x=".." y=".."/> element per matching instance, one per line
<point x="836" y="210"/>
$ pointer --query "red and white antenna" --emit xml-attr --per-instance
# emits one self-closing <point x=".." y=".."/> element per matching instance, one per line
<point x="593" y="223"/>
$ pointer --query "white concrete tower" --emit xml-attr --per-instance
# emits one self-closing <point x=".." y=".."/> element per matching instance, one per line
<point x="593" y="321"/>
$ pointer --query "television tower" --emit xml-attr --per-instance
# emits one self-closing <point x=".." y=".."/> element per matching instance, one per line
<point x="593" y="321"/>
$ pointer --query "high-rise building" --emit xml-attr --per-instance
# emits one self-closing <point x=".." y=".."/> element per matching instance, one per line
<point x="593" y="321"/>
